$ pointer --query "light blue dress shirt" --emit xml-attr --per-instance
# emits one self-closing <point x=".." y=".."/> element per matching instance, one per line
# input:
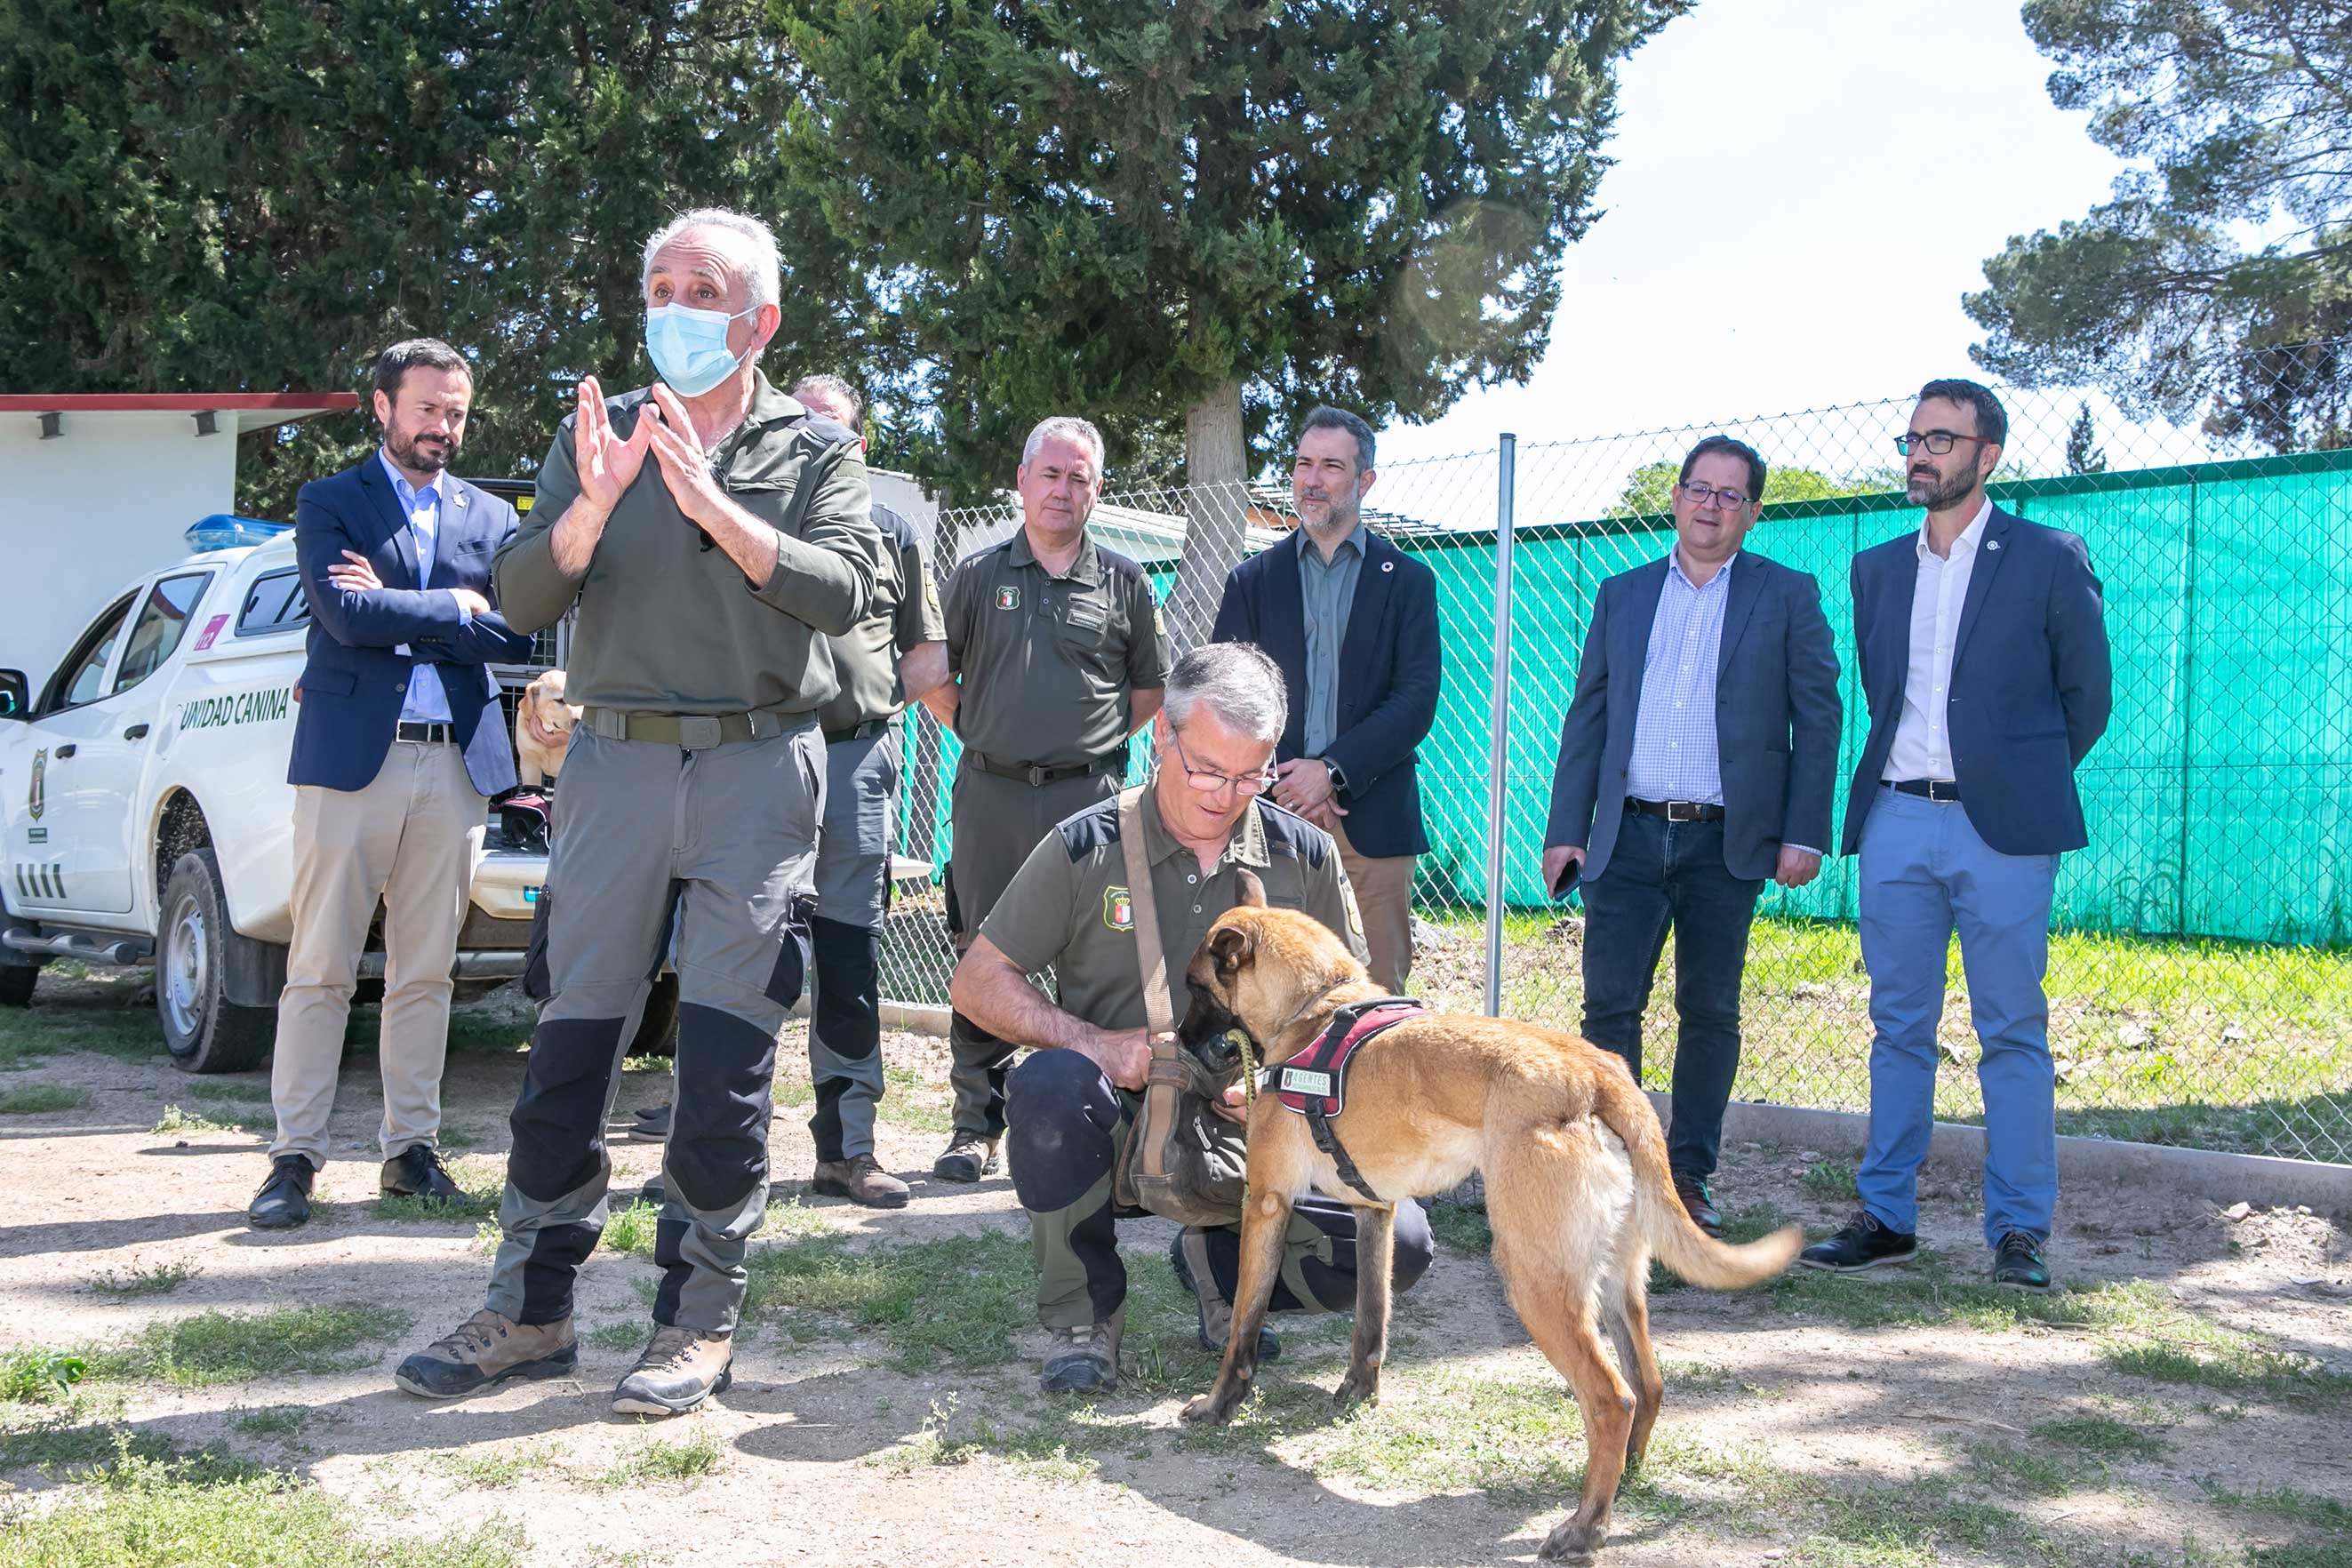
<point x="427" y="702"/>
<point x="1674" y="755"/>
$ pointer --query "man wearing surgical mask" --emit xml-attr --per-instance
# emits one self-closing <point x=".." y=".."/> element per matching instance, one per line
<point x="712" y="533"/>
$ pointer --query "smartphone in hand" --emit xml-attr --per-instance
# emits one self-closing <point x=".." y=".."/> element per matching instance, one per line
<point x="1566" y="880"/>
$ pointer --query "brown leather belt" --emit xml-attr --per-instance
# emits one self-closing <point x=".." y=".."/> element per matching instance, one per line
<point x="1676" y="810"/>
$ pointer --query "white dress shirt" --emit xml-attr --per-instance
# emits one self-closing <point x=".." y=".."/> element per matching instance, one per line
<point x="1923" y="741"/>
<point x="427" y="702"/>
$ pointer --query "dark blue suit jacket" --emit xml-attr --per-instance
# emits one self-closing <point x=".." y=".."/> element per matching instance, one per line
<point x="2031" y="687"/>
<point x="1390" y="666"/>
<point x="353" y="685"/>
<point x="1775" y="716"/>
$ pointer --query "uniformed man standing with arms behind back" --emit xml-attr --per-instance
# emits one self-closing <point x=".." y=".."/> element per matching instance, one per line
<point x="1057" y="648"/>
<point x="713" y="533"/>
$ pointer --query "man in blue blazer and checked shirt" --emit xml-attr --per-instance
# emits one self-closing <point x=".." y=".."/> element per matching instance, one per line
<point x="397" y="743"/>
<point x="1983" y="647"/>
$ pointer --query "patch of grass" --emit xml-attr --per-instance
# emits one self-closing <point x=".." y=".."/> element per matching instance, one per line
<point x="689" y="1459"/>
<point x="1999" y="1466"/>
<point x="2099" y="1435"/>
<point x="40" y="1098"/>
<point x="156" y="1513"/>
<point x="950" y="1302"/>
<point x="135" y="1282"/>
<point x="35" y="1374"/>
<point x="457" y="1138"/>
<point x="104" y="1021"/>
<point x="175" y="1120"/>
<point x="487" y="1236"/>
<point x="627" y="1334"/>
<point x="272" y="1421"/>
<point x="662" y="1065"/>
<point x="232" y="1347"/>
<point x="65" y="1445"/>
<point x="1460" y="1228"/>
<point x="228" y="1091"/>
<point x="2288" y="1504"/>
<point x="1829" y="1181"/>
<point x="482" y="1182"/>
<point x="496" y="1469"/>
<point x="631" y="1230"/>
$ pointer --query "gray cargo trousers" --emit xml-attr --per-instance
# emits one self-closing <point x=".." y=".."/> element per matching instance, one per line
<point x="852" y="883"/>
<point x="723" y="839"/>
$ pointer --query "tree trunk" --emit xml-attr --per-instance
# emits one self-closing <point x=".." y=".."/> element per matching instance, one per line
<point x="1216" y="513"/>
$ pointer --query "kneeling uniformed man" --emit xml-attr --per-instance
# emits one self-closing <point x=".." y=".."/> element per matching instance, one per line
<point x="1073" y="1103"/>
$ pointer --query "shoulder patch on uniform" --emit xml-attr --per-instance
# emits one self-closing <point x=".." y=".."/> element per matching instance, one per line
<point x="1287" y="833"/>
<point x="1096" y="827"/>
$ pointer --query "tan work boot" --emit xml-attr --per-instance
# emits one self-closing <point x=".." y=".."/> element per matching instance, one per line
<point x="1083" y="1360"/>
<point x="1190" y="1255"/>
<point x="970" y="1156"/>
<point x="861" y="1179"/>
<point x="680" y="1369"/>
<point x="484" y="1351"/>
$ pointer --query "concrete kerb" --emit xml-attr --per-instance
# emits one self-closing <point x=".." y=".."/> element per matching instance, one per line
<point x="2222" y="1178"/>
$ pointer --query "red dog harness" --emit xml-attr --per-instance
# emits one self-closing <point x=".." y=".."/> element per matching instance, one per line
<point x="1314" y="1083"/>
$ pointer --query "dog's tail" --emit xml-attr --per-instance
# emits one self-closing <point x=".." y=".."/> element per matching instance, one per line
<point x="1665" y="1224"/>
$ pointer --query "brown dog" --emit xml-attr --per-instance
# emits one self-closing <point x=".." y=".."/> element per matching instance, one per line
<point x="538" y="760"/>
<point x="1577" y="1187"/>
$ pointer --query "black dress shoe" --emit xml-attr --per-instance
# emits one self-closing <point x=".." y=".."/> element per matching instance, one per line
<point x="284" y="1200"/>
<point x="416" y="1172"/>
<point x="1700" y="1204"/>
<point x="652" y="1125"/>
<point x="1863" y="1244"/>
<point x="2017" y="1263"/>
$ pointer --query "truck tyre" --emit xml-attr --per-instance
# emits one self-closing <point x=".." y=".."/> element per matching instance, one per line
<point x="18" y="972"/>
<point x="205" y="1032"/>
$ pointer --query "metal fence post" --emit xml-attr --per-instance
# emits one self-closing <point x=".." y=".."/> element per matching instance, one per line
<point x="1499" y="752"/>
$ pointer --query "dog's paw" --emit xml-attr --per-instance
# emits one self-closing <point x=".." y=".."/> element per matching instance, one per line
<point x="1570" y="1543"/>
<point x="1357" y="1386"/>
<point x="1207" y="1410"/>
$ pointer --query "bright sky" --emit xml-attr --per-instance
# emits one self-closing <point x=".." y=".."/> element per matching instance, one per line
<point x="1804" y="190"/>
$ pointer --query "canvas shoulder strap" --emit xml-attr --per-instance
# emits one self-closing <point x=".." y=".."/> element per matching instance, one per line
<point x="1158" y="1012"/>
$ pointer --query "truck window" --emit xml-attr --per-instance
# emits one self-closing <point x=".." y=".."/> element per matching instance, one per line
<point x="81" y="678"/>
<point x="274" y="603"/>
<point x="163" y="622"/>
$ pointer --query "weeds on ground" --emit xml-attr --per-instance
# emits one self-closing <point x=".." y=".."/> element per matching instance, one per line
<point x="231" y="1347"/>
<point x="136" y="1281"/>
<point x="630" y="1230"/>
<point x="627" y="1334"/>
<point x="663" y="1460"/>
<point x="272" y="1421"/>
<point x="490" y="1469"/>
<point x="2288" y="1504"/>
<point x="953" y="1301"/>
<point x="228" y="1091"/>
<point x="40" y="1098"/>
<point x="1829" y="1182"/>
<point x="1462" y="1229"/>
<point x="2099" y="1435"/>
<point x="175" y="1120"/>
<point x="481" y="1180"/>
<point x="34" y="1375"/>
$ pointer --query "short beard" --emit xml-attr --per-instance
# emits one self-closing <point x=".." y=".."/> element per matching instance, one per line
<point x="1939" y="494"/>
<point x="406" y="455"/>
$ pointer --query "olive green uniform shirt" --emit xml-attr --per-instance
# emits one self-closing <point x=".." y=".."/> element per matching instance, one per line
<point x="1050" y="664"/>
<point x="667" y="626"/>
<point x="1069" y="907"/>
<point x="905" y="611"/>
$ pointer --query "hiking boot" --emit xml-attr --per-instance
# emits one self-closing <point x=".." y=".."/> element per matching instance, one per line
<point x="284" y="1200"/>
<point x="1083" y="1360"/>
<point x="1190" y="1255"/>
<point x="861" y="1179"/>
<point x="1863" y="1244"/>
<point x="652" y="1125"/>
<point x="484" y="1351"/>
<point x="970" y="1156"/>
<point x="2017" y="1263"/>
<point x="680" y="1369"/>
<point x="416" y="1172"/>
<point x="1700" y="1204"/>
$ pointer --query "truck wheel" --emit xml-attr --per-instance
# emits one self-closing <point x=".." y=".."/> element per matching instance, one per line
<point x="205" y="1031"/>
<point x="658" y="1026"/>
<point x="17" y="982"/>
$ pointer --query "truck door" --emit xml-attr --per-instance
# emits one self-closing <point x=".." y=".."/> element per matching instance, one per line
<point x="44" y="774"/>
<point x="109" y="824"/>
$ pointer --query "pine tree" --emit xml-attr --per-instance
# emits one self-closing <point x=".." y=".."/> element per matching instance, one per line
<point x="2083" y="457"/>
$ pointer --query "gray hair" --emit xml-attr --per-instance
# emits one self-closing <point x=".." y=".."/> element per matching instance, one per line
<point x="1323" y="416"/>
<point x="833" y="389"/>
<point x="1068" y="428"/>
<point x="1239" y="683"/>
<point x="764" y="274"/>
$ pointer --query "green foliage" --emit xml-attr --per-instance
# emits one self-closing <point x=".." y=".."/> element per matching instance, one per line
<point x="1649" y="490"/>
<point x="236" y="1347"/>
<point x="2223" y="263"/>
<point x="34" y="1375"/>
<point x="261" y="196"/>
<point x="39" y="1098"/>
<point x="1115" y="209"/>
<point x="2084" y="454"/>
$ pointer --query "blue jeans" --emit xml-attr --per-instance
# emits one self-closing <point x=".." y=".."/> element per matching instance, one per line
<point x="1924" y="873"/>
<point x="1671" y="875"/>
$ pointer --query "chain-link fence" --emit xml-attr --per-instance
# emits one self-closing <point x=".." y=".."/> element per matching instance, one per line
<point x="2201" y="975"/>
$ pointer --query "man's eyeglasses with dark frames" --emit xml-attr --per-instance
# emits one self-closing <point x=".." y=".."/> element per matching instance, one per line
<point x="1707" y="495"/>
<point x="1936" y="441"/>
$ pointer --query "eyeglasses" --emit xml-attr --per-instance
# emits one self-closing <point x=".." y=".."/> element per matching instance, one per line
<point x="1707" y="495"/>
<point x="1936" y="441"/>
<point x="1209" y="781"/>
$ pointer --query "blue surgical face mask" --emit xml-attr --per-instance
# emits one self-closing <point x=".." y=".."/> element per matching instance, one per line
<point x="689" y="347"/>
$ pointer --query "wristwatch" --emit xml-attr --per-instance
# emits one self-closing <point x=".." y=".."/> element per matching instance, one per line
<point x="1339" y="778"/>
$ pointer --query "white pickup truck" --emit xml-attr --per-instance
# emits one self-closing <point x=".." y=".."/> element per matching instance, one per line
<point x="148" y="812"/>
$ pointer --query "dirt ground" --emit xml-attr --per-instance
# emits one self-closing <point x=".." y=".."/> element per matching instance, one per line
<point x="1905" y="1418"/>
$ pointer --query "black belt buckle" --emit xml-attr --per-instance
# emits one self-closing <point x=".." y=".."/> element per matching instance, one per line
<point x="1037" y="776"/>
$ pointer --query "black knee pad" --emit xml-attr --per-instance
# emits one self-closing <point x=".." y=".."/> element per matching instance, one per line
<point x="848" y="992"/>
<point x="558" y="1116"/>
<point x="1061" y="1121"/>
<point x="719" y="1126"/>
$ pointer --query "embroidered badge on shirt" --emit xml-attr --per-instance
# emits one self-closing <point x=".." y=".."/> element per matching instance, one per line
<point x="1118" y="909"/>
<point x="1008" y="598"/>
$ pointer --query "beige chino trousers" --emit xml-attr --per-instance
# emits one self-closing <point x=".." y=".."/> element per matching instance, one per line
<point x="410" y="840"/>
<point x="1384" y="897"/>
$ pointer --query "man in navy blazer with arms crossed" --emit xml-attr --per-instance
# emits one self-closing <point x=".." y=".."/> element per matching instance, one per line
<point x="1983" y="646"/>
<point x="397" y="743"/>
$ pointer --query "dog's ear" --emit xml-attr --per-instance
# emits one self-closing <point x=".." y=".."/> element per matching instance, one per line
<point x="1231" y="946"/>
<point x="1250" y="893"/>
